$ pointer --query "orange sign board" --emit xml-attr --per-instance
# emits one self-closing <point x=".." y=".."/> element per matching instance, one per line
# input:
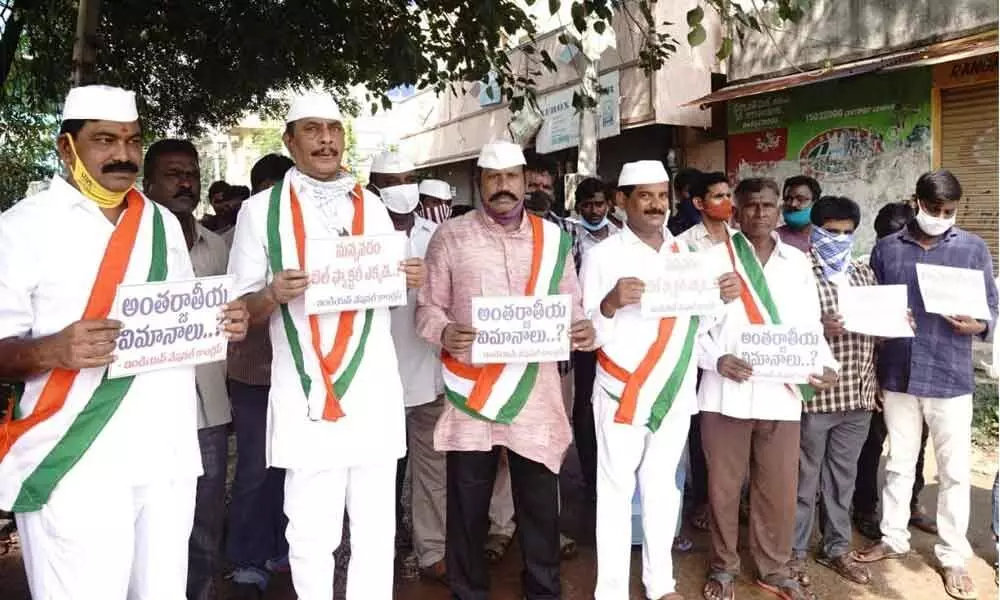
<point x="964" y="72"/>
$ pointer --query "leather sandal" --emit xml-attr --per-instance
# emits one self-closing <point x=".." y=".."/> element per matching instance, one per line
<point x="720" y="586"/>
<point x="847" y="567"/>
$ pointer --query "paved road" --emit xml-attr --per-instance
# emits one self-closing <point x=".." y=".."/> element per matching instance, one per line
<point x="908" y="579"/>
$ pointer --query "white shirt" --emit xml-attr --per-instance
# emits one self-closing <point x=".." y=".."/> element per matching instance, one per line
<point x="628" y="335"/>
<point x="586" y="240"/>
<point x="419" y="362"/>
<point x="793" y="287"/>
<point x="372" y="429"/>
<point x="697" y="236"/>
<point x="53" y="243"/>
<point x="208" y="257"/>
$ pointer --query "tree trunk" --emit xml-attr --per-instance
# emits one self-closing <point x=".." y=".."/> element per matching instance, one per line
<point x="586" y="162"/>
<point x="85" y="47"/>
<point x="8" y="44"/>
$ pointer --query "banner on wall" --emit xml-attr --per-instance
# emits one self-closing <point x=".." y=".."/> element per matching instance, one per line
<point x="832" y="129"/>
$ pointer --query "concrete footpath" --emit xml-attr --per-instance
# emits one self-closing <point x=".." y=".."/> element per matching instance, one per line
<point x="912" y="578"/>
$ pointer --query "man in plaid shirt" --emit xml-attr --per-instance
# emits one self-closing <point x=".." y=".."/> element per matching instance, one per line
<point x="835" y="422"/>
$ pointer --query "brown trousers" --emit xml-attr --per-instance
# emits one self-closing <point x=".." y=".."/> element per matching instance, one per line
<point x="771" y="450"/>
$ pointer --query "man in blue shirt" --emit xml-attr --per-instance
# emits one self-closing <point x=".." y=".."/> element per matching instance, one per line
<point x="930" y="377"/>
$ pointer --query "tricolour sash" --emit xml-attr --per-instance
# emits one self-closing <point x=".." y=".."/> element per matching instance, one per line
<point x="645" y="395"/>
<point x="497" y="392"/>
<point x="75" y="416"/>
<point x="286" y="242"/>
<point x="756" y="297"/>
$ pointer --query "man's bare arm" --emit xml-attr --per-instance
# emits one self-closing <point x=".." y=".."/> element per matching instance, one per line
<point x="81" y="345"/>
<point x="260" y="305"/>
<point x="287" y="286"/>
<point x="22" y="358"/>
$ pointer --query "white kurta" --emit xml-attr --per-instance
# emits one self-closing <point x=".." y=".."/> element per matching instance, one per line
<point x="53" y="244"/>
<point x="631" y="453"/>
<point x="372" y="429"/>
<point x="120" y="518"/>
<point x="790" y="278"/>
<point x="419" y="362"/>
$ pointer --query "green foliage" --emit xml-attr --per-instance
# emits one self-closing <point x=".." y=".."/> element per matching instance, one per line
<point x="205" y="64"/>
<point x="28" y="127"/>
<point x="984" y="415"/>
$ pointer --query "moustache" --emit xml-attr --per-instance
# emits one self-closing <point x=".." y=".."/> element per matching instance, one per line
<point x="502" y="194"/>
<point x="184" y="194"/>
<point x="322" y="151"/>
<point x="120" y="167"/>
<point x="654" y="211"/>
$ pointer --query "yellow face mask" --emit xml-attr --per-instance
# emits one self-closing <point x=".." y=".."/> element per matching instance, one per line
<point x="89" y="186"/>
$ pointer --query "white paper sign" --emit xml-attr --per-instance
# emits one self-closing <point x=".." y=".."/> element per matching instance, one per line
<point x="951" y="291"/>
<point x="520" y="329"/>
<point x="878" y="310"/>
<point x="781" y="353"/>
<point x="169" y="324"/>
<point x="685" y="284"/>
<point x="355" y="273"/>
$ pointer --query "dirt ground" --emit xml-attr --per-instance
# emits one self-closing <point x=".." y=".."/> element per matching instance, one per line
<point x="912" y="578"/>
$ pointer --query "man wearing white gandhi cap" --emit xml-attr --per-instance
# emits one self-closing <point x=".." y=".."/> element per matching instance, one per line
<point x="435" y="200"/>
<point x="644" y="394"/>
<point x="392" y="178"/>
<point x="499" y="251"/>
<point x="336" y="404"/>
<point x="100" y="472"/>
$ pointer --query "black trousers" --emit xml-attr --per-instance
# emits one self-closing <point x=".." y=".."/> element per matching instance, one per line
<point x="866" y="488"/>
<point x="584" y="433"/>
<point x="536" y="508"/>
<point x="696" y="491"/>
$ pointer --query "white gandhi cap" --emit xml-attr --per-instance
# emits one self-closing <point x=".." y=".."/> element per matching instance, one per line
<point x="391" y="163"/>
<point x="436" y="188"/>
<point x="500" y="155"/>
<point x="643" y="172"/>
<point x="100" y="103"/>
<point x="315" y="106"/>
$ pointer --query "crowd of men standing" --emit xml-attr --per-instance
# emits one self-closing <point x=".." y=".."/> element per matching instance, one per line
<point x="331" y="411"/>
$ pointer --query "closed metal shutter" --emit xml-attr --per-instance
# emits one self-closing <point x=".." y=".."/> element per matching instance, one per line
<point x="969" y="150"/>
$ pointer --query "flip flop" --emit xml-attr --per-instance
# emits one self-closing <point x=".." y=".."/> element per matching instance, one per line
<point x="785" y="588"/>
<point x="876" y="552"/>
<point x="953" y="576"/>
<point x="496" y="547"/>
<point x="725" y="584"/>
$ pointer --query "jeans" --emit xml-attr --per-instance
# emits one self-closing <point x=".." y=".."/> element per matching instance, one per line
<point x="256" y="518"/>
<point x="205" y="545"/>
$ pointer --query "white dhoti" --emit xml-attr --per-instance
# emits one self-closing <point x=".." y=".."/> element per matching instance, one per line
<point x="109" y="541"/>
<point x="625" y="454"/>
<point x="315" y="503"/>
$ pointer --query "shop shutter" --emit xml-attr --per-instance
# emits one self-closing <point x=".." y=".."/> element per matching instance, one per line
<point x="969" y="150"/>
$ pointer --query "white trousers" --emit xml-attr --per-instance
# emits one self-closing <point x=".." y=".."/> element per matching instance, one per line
<point x="949" y="421"/>
<point x="315" y="503"/>
<point x="115" y="542"/>
<point x="625" y="454"/>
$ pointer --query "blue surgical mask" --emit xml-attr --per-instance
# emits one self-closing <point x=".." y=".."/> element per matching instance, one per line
<point x="798" y="219"/>
<point x="592" y="228"/>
